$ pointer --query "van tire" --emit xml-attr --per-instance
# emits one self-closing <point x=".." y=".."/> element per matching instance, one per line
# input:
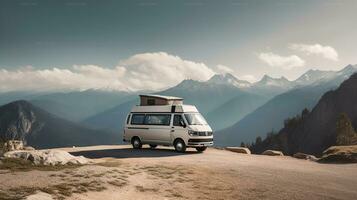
<point x="201" y="149"/>
<point x="152" y="146"/>
<point x="136" y="142"/>
<point x="180" y="145"/>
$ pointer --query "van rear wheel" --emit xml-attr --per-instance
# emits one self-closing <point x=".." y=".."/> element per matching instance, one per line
<point x="180" y="146"/>
<point x="136" y="142"/>
<point x="201" y="149"/>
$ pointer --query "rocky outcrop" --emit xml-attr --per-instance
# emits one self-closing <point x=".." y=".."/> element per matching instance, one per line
<point x="13" y="145"/>
<point x="239" y="150"/>
<point x="304" y="156"/>
<point x="47" y="157"/>
<point x="272" y="153"/>
<point x="340" y="154"/>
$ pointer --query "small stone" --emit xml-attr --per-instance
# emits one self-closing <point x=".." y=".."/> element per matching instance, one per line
<point x="243" y="150"/>
<point x="272" y="153"/>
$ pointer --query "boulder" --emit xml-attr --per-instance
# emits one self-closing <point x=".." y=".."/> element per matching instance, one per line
<point x="272" y="153"/>
<point x="28" y="148"/>
<point x="305" y="156"/>
<point x="39" y="196"/>
<point x="340" y="154"/>
<point x="239" y="150"/>
<point x="47" y="157"/>
<point x="13" y="145"/>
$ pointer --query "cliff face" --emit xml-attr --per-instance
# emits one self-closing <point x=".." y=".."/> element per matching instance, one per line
<point x="316" y="131"/>
<point x="20" y="120"/>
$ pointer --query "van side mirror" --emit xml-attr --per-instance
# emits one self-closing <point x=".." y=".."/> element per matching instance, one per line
<point x="182" y="123"/>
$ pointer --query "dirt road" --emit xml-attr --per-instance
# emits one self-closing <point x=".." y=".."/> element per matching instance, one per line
<point x="215" y="174"/>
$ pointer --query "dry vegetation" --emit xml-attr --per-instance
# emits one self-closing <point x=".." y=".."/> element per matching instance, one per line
<point x="13" y="164"/>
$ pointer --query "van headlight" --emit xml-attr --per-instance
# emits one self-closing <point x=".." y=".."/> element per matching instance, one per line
<point x="192" y="133"/>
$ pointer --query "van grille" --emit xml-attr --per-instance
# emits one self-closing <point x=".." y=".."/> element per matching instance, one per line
<point x="201" y="140"/>
<point x="204" y="133"/>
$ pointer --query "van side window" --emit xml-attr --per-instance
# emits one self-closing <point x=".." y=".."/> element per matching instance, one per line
<point x="137" y="119"/>
<point x="127" y="119"/>
<point x="178" y="120"/>
<point x="158" y="119"/>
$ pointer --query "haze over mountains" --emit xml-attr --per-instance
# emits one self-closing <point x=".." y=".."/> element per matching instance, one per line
<point x="238" y="110"/>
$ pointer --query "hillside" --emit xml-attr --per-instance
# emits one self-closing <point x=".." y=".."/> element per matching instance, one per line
<point x="316" y="131"/>
<point x="272" y="114"/>
<point x="24" y="121"/>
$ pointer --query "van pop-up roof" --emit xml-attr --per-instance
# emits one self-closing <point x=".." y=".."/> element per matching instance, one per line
<point x="162" y="104"/>
<point x="156" y="100"/>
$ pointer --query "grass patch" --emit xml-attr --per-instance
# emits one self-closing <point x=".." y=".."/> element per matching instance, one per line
<point x="14" y="164"/>
<point x="58" y="191"/>
<point x="109" y="164"/>
<point x="143" y="189"/>
<point x="118" y="183"/>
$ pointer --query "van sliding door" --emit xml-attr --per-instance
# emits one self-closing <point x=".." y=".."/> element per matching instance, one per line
<point x="159" y="128"/>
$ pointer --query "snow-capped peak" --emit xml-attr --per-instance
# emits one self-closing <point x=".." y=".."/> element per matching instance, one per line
<point x="312" y="76"/>
<point x="269" y="81"/>
<point x="228" y="79"/>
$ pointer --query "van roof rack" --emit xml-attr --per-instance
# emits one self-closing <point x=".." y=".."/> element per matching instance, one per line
<point x="153" y="99"/>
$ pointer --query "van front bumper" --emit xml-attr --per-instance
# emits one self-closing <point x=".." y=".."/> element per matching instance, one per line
<point x="204" y="142"/>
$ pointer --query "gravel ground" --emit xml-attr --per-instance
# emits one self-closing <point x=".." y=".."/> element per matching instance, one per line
<point x="125" y="173"/>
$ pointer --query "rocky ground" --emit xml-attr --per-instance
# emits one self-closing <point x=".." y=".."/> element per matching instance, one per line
<point x="119" y="172"/>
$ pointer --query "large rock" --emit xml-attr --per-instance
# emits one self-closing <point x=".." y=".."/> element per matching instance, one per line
<point x="239" y="150"/>
<point x="340" y="154"/>
<point x="305" y="156"/>
<point x="39" y="196"/>
<point x="272" y="153"/>
<point x="47" y="157"/>
<point x="13" y="145"/>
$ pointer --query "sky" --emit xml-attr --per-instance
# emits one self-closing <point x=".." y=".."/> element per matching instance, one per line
<point x="136" y="44"/>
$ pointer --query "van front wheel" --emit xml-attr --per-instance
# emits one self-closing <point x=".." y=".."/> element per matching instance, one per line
<point x="201" y="149"/>
<point x="136" y="143"/>
<point x="180" y="146"/>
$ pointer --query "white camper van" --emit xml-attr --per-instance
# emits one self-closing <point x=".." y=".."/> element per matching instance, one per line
<point x="164" y="120"/>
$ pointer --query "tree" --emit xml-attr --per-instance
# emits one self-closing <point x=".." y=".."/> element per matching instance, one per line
<point x="242" y="144"/>
<point x="304" y="113"/>
<point x="258" y="140"/>
<point x="345" y="134"/>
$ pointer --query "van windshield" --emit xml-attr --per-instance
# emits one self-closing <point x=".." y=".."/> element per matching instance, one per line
<point x="195" y="119"/>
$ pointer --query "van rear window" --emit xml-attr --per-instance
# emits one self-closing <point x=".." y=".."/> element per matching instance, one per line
<point x="158" y="119"/>
<point x="137" y="119"/>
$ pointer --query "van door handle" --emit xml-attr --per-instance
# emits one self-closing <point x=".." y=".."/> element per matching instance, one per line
<point x="172" y="131"/>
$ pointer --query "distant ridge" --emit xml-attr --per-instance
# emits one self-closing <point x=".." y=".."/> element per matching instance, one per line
<point x="36" y="127"/>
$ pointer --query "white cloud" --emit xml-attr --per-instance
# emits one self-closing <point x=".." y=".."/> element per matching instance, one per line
<point x="221" y="69"/>
<point x="327" y="52"/>
<point x="147" y="71"/>
<point x="284" y="62"/>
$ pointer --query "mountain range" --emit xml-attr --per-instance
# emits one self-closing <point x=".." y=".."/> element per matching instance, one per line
<point x="223" y="100"/>
<point x="271" y="115"/>
<point x="314" y="132"/>
<point x="237" y="110"/>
